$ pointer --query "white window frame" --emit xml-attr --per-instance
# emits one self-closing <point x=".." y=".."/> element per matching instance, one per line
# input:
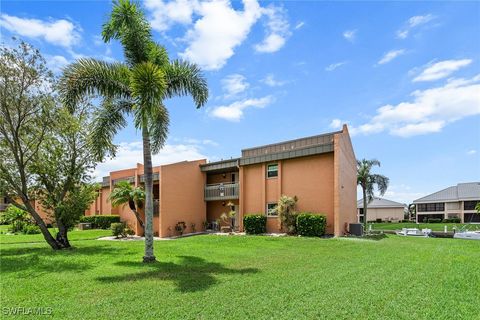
<point x="268" y="214"/>
<point x="268" y="170"/>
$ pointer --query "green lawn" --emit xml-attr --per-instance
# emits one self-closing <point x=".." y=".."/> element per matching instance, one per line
<point x="433" y="226"/>
<point x="220" y="277"/>
<point x="74" y="235"/>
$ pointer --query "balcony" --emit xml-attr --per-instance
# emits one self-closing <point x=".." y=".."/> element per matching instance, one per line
<point x="221" y="191"/>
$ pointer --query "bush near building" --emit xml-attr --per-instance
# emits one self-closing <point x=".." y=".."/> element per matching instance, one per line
<point x="100" y="221"/>
<point x="255" y="224"/>
<point x="311" y="225"/>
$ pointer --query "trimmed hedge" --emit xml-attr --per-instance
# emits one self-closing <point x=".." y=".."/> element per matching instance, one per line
<point x="311" y="225"/>
<point x="255" y="224"/>
<point x="100" y="221"/>
<point x="434" y="220"/>
<point x="452" y="220"/>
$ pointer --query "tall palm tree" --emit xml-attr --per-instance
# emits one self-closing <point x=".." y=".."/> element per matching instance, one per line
<point x="137" y="87"/>
<point x="368" y="180"/>
<point x="125" y="193"/>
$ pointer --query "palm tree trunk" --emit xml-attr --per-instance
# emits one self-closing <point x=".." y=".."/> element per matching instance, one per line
<point x="148" y="173"/>
<point x="364" y="208"/>
<point x="139" y="218"/>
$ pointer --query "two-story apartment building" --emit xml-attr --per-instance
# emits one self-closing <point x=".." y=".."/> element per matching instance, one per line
<point x="456" y="201"/>
<point x="319" y="170"/>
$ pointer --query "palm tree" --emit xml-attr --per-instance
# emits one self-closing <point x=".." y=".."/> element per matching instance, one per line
<point x="368" y="180"/>
<point x="124" y="193"/>
<point x="137" y="87"/>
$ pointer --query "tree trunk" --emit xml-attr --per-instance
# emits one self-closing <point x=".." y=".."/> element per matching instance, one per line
<point x="43" y="227"/>
<point x="62" y="235"/>
<point x="139" y="218"/>
<point x="148" y="174"/>
<point x="364" y="208"/>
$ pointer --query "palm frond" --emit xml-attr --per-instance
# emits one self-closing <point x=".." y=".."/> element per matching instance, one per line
<point x="159" y="123"/>
<point x="186" y="78"/>
<point x="108" y="120"/>
<point x="90" y="77"/>
<point x="128" y="24"/>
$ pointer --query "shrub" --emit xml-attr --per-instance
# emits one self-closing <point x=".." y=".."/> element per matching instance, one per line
<point x="434" y="220"/>
<point x="452" y="220"/>
<point x="287" y="214"/>
<point x="31" y="229"/>
<point x="120" y="229"/>
<point x="379" y="220"/>
<point x="255" y="224"/>
<point x="311" y="225"/>
<point x="180" y="227"/>
<point x="100" y="221"/>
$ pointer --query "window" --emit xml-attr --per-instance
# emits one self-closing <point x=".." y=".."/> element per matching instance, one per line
<point x="431" y="207"/>
<point x="272" y="210"/>
<point x="272" y="170"/>
<point x="469" y="205"/>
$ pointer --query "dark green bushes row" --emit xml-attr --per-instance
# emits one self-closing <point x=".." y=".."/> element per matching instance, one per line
<point x="452" y="220"/>
<point x="311" y="225"/>
<point x="255" y="223"/>
<point x="307" y="224"/>
<point x="100" y="221"/>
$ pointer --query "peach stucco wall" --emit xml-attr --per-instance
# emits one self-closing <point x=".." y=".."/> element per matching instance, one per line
<point x="345" y="200"/>
<point x="308" y="178"/>
<point x="181" y="196"/>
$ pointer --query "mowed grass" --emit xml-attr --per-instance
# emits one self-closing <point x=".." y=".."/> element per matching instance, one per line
<point x="432" y="226"/>
<point x="74" y="235"/>
<point x="240" y="277"/>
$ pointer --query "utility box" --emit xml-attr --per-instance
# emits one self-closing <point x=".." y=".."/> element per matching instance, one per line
<point x="84" y="226"/>
<point x="356" y="229"/>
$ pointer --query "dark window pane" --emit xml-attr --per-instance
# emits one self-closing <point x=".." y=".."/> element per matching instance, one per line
<point x="469" y="205"/>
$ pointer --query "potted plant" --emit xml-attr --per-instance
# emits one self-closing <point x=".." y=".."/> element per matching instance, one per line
<point x="180" y="227"/>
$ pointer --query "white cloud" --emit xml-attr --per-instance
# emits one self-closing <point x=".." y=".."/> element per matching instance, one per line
<point x="234" y="84"/>
<point x="334" y="66"/>
<point x="214" y="36"/>
<point x="441" y="69"/>
<point x="471" y="152"/>
<point x="429" y="111"/>
<point x="164" y="15"/>
<point x="350" y="35"/>
<point x="58" y="32"/>
<point x="412" y="23"/>
<point x="390" y="55"/>
<point x="56" y="63"/>
<point x="402" y="193"/>
<point x="131" y="153"/>
<point x="270" y="81"/>
<point x="277" y="30"/>
<point x="235" y="110"/>
<point x="336" y="124"/>
<point x="299" y="25"/>
<point x="215" y="28"/>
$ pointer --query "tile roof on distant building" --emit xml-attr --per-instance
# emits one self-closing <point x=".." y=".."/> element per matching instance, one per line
<point x="460" y="192"/>
<point x="381" y="203"/>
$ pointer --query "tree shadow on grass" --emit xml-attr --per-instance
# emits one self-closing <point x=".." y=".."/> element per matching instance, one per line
<point x="34" y="261"/>
<point x="190" y="275"/>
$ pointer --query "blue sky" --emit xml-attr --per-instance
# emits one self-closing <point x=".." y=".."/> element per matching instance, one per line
<point x="405" y="77"/>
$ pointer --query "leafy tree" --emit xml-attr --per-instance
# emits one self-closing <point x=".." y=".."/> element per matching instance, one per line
<point x="368" y="180"/>
<point x="137" y="87"/>
<point x="287" y="214"/>
<point x="125" y="193"/>
<point x="45" y="154"/>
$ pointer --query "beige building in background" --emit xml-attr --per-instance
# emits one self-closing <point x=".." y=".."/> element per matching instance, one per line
<point x="319" y="170"/>
<point x="379" y="208"/>
<point x="453" y="202"/>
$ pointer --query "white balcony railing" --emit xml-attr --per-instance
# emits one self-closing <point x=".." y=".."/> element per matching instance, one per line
<point x="221" y="191"/>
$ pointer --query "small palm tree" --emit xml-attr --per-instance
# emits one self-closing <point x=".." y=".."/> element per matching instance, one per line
<point x="286" y="210"/>
<point x="125" y="193"/>
<point x="368" y="180"/>
<point x="136" y="88"/>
